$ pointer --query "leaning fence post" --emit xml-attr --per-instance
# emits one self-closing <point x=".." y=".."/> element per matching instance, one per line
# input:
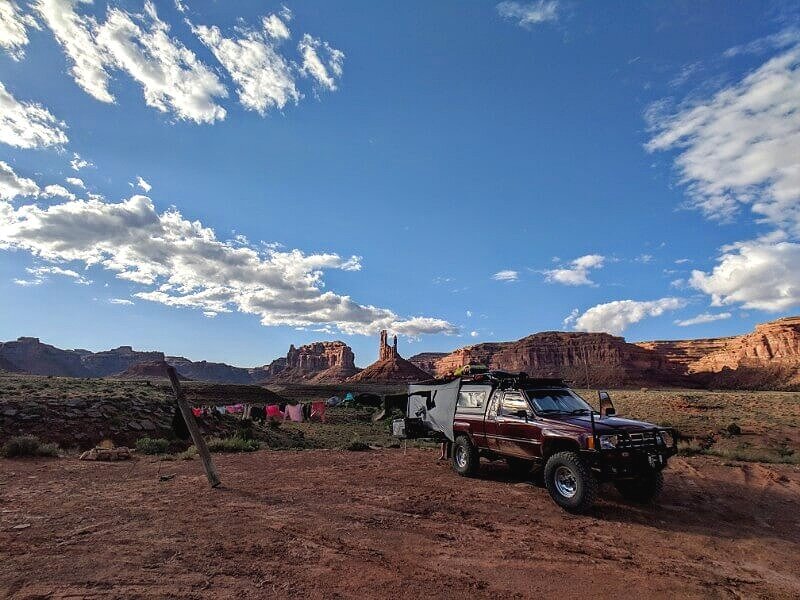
<point x="194" y="430"/>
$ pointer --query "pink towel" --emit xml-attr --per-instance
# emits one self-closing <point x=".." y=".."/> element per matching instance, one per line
<point x="294" y="412"/>
<point x="318" y="410"/>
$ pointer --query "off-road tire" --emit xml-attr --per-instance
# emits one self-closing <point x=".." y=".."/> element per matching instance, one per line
<point x="519" y="467"/>
<point x="643" y="490"/>
<point x="465" y="457"/>
<point x="572" y="473"/>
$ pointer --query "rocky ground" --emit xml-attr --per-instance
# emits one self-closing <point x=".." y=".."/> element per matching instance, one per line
<point x="386" y="524"/>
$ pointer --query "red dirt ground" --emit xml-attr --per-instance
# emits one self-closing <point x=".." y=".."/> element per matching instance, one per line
<point x="384" y="524"/>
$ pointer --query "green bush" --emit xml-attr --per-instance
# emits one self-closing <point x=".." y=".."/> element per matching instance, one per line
<point x="148" y="445"/>
<point x="232" y="444"/>
<point x="27" y="445"/>
<point x="734" y="429"/>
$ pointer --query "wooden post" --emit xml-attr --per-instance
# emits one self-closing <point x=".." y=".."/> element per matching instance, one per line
<point x="194" y="430"/>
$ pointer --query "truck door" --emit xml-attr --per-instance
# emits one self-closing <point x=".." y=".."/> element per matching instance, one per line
<point x="518" y="434"/>
<point x="490" y="422"/>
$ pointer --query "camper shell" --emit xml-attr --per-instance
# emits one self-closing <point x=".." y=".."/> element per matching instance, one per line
<point x="539" y="422"/>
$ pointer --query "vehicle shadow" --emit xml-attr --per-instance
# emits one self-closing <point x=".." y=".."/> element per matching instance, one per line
<point x="715" y="507"/>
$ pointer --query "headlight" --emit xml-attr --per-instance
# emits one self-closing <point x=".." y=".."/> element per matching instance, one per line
<point x="608" y="442"/>
<point x="665" y="437"/>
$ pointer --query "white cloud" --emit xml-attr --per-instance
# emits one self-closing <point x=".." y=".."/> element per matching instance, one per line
<point x="644" y="258"/>
<point x="507" y="275"/>
<point x="782" y="39"/>
<point x="121" y="301"/>
<point x="570" y="319"/>
<point x="529" y="14"/>
<point x="77" y="163"/>
<point x="761" y="274"/>
<point x="683" y="261"/>
<point x="77" y="36"/>
<point x="53" y="190"/>
<point x="325" y="69"/>
<point x="76" y="181"/>
<point x="40" y="275"/>
<point x="742" y="145"/>
<point x="28" y="125"/>
<point x="172" y="78"/>
<point x="469" y="313"/>
<point x="473" y="334"/>
<point x="182" y="263"/>
<point x="615" y="317"/>
<point x="263" y="77"/>
<point x="578" y="271"/>
<point x="143" y="185"/>
<point x="14" y="29"/>
<point x="703" y="318"/>
<point x="12" y="185"/>
<point x="180" y="6"/>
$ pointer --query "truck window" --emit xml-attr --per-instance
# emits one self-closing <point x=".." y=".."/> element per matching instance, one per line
<point x="512" y="403"/>
<point x="471" y="399"/>
<point x="491" y="412"/>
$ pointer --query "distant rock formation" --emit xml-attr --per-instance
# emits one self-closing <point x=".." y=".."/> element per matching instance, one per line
<point x="111" y="362"/>
<point x="601" y="359"/>
<point x="320" y="362"/>
<point x="156" y="369"/>
<point x="210" y="371"/>
<point x="390" y="366"/>
<point x="767" y="358"/>
<point x="29" y="355"/>
<point x="427" y="360"/>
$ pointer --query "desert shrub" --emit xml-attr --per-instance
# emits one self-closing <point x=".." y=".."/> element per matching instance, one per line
<point x="148" y="445"/>
<point x="755" y="455"/>
<point x="233" y="444"/>
<point x="357" y="446"/>
<point x="27" y="445"/>
<point x="733" y="429"/>
<point x="690" y="446"/>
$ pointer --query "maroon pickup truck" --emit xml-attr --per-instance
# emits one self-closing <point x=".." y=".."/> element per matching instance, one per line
<point x="541" y="422"/>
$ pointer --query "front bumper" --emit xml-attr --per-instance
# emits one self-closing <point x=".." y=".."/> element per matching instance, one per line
<point x="630" y="460"/>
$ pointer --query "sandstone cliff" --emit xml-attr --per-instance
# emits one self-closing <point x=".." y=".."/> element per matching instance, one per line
<point x="599" y="358"/>
<point x="390" y="366"/>
<point x="426" y="360"/>
<point x="111" y="362"/>
<point x="320" y="362"/>
<point x="29" y="355"/>
<point x="767" y="358"/>
<point x="210" y="371"/>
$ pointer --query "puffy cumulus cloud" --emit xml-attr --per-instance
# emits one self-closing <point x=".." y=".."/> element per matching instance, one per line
<point x="28" y="125"/>
<point x="77" y="36"/>
<point x="263" y="77"/>
<point x="615" y="317"/>
<point x="703" y="318"/>
<point x="321" y="61"/>
<point x="742" y="145"/>
<point x="14" y="26"/>
<point x="140" y="182"/>
<point x="40" y="275"/>
<point x="172" y="78"/>
<point x="184" y="265"/>
<point x="761" y="274"/>
<point x="529" y="14"/>
<point x="578" y="271"/>
<point x="53" y="190"/>
<point x="506" y="275"/>
<point x="12" y="185"/>
<point x="76" y="181"/>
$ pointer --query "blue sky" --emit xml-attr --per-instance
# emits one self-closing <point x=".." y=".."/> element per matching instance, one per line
<point x="455" y="171"/>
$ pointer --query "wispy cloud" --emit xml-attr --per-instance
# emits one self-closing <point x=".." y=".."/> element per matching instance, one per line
<point x="578" y="271"/>
<point x="528" y="14"/>
<point x="14" y="26"/>
<point x="13" y="185"/>
<point x="507" y="275"/>
<point x="703" y="318"/>
<point x="142" y="184"/>
<point x="27" y="124"/>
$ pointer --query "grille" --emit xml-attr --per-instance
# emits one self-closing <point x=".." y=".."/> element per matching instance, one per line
<point x="644" y="439"/>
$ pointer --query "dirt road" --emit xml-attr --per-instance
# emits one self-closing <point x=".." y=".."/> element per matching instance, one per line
<point x="381" y="524"/>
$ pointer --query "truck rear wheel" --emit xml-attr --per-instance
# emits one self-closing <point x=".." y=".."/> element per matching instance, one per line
<point x="570" y="482"/>
<point x="643" y="490"/>
<point x="465" y="456"/>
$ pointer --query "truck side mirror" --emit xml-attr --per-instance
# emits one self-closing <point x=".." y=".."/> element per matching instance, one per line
<point x="606" y="406"/>
<point x="522" y="414"/>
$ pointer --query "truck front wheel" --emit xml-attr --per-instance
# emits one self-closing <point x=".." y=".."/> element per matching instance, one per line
<point x="643" y="490"/>
<point x="465" y="456"/>
<point x="570" y="482"/>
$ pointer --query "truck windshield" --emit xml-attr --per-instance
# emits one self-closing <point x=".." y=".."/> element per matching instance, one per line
<point x="558" y="401"/>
